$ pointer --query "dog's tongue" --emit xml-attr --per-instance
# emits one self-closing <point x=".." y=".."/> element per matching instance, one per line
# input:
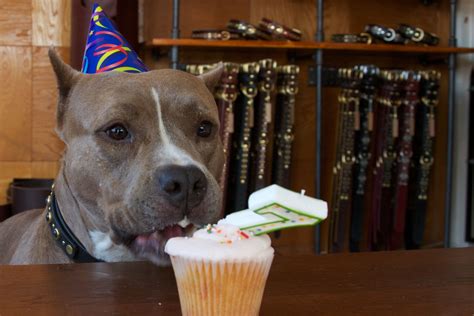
<point x="172" y="231"/>
<point x="152" y="246"/>
<point x="164" y="234"/>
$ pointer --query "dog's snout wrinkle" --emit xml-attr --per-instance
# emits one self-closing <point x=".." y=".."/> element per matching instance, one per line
<point x="183" y="186"/>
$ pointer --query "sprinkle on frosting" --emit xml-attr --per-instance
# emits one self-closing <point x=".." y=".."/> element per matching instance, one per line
<point x="226" y="234"/>
<point x="216" y="242"/>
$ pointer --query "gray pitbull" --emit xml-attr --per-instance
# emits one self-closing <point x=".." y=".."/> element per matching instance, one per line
<point x="142" y="157"/>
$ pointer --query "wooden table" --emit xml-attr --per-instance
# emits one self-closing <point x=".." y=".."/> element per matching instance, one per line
<point x="427" y="282"/>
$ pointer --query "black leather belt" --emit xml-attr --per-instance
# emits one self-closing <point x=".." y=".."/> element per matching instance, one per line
<point x="423" y="148"/>
<point x="418" y="35"/>
<point x="386" y="34"/>
<point x="244" y="122"/>
<point x="363" y="140"/>
<point x="364" y="38"/>
<point x="222" y="35"/>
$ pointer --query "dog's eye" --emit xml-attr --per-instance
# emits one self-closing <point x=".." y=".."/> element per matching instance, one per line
<point x="117" y="132"/>
<point x="204" y="129"/>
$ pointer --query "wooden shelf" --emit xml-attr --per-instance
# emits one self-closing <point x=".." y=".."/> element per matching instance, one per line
<point x="308" y="45"/>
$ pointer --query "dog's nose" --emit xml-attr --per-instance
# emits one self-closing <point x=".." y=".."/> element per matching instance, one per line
<point x="182" y="184"/>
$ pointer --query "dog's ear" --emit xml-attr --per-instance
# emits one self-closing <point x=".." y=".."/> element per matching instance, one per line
<point x="66" y="77"/>
<point x="211" y="78"/>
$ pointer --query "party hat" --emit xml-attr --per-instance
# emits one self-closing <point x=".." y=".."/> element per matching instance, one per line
<point x="107" y="49"/>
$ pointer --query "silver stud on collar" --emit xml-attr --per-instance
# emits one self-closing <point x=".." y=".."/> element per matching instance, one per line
<point x="49" y="217"/>
<point x="56" y="234"/>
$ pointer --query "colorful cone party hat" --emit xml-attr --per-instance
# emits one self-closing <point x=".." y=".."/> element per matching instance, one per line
<point x="107" y="49"/>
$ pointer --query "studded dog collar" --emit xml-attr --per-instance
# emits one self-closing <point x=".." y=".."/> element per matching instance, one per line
<point x="63" y="236"/>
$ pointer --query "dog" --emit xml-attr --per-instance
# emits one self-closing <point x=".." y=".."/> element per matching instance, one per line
<point x="141" y="164"/>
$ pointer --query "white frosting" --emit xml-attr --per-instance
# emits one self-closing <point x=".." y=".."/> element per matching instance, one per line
<point x="220" y="242"/>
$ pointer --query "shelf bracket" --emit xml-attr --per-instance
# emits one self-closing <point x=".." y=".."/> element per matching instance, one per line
<point x="175" y="34"/>
<point x="318" y="58"/>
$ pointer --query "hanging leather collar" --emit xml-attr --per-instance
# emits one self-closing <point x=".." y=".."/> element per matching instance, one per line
<point x="63" y="236"/>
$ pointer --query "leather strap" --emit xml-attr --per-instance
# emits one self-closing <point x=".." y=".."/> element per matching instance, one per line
<point x="342" y="171"/>
<point x="287" y="88"/>
<point x="244" y="122"/>
<point x="423" y="146"/>
<point x="410" y="82"/>
<point x="63" y="236"/>
<point x="225" y="95"/>
<point x="384" y="158"/>
<point x="222" y="35"/>
<point x="264" y="104"/>
<point x="279" y="31"/>
<point x="199" y="69"/>
<point x="385" y="34"/>
<point x="418" y="35"/>
<point x="364" y="38"/>
<point x="363" y="141"/>
<point x="246" y="30"/>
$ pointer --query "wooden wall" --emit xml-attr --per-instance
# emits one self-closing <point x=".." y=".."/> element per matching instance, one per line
<point x="340" y="16"/>
<point x="29" y="146"/>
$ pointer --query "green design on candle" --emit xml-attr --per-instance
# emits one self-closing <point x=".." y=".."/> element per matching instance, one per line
<point x="276" y="208"/>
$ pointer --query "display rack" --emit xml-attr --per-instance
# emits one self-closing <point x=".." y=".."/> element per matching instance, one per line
<point x="319" y="46"/>
<point x="308" y="45"/>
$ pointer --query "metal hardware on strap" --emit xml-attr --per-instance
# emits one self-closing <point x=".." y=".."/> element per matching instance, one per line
<point x="423" y="147"/>
<point x="287" y="88"/>
<point x="244" y="116"/>
<point x="363" y="141"/>
<point x="222" y="35"/>
<point x="263" y="118"/>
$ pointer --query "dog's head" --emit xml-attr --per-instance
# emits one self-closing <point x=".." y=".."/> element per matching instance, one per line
<point x="144" y="149"/>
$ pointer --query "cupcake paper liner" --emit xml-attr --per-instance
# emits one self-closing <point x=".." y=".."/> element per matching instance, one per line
<point x="231" y="287"/>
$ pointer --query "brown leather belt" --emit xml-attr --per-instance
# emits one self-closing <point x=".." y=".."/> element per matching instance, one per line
<point x="225" y="94"/>
<point x="263" y="117"/>
<point x="410" y="82"/>
<point x="348" y="122"/>
<point x="279" y="31"/>
<point x="384" y="157"/>
<point x="246" y="30"/>
<point x="363" y="140"/>
<point x="222" y="35"/>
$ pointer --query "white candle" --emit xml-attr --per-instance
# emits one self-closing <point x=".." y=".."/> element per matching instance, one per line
<point x="275" y="208"/>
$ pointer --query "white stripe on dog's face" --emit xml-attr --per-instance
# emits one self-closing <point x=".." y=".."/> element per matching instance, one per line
<point x="169" y="151"/>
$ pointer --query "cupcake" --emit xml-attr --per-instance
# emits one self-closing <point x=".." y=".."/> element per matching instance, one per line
<point x="220" y="270"/>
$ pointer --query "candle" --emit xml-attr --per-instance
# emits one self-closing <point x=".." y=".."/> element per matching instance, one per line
<point x="275" y="208"/>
